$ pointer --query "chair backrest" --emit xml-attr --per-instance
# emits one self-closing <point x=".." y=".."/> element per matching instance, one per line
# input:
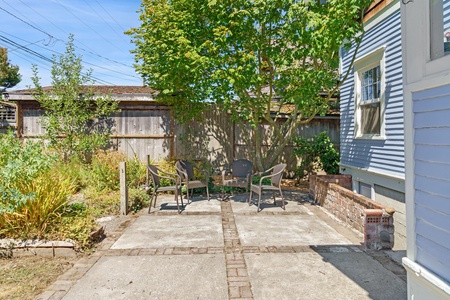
<point x="187" y="167"/>
<point x="153" y="173"/>
<point x="241" y="168"/>
<point x="276" y="180"/>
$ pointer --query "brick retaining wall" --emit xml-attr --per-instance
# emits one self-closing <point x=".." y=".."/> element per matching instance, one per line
<point x="374" y="220"/>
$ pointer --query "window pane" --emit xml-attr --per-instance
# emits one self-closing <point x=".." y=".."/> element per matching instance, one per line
<point x="370" y="84"/>
<point x="370" y="119"/>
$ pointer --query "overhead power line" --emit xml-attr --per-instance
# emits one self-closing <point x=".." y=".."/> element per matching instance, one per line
<point x="93" y="9"/>
<point x="93" y="30"/>
<point x="51" y="38"/>
<point x="110" y="16"/>
<point x="34" y="53"/>
<point x="84" y="61"/>
<point x="90" y="51"/>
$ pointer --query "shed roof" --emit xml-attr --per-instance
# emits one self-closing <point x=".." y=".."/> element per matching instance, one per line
<point x="121" y="93"/>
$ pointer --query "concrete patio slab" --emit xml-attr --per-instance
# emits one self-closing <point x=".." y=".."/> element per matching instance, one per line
<point x="150" y="231"/>
<point x="201" y="204"/>
<point x="226" y="250"/>
<point x="321" y="276"/>
<point x="167" y="204"/>
<point x="153" y="277"/>
<point x="292" y="230"/>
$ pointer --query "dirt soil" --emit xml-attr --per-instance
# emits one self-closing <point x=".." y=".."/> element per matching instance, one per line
<point x="27" y="276"/>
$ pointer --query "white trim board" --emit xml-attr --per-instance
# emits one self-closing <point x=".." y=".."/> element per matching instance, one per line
<point x="393" y="182"/>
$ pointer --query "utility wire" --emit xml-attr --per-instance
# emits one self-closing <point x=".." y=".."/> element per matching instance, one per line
<point x="119" y="35"/>
<point x="110" y="16"/>
<point x="90" y="51"/>
<point x="32" y="52"/>
<point x="51" y="38"/>
<point x="85" y="62"/>
<point x="101" y="36"/>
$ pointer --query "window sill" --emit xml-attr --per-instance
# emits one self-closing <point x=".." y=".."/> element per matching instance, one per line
<point x="370" y="137"/>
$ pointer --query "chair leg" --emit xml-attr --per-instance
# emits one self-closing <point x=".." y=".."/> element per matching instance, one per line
<point x="152" y="199"/>
<point x="181" y="198"/>
<point x="246" y="189"/>
<point x="282" y="200"/>
<point x="259" y="201"/>
<point x="207" y="191"/>
<point x="250" y="197"/>
<point x="176" y="198"/>
<point x="187" y="194"/>
<point x="274" y="201"/>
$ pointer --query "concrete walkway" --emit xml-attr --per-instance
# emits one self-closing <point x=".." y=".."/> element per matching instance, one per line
<point x="225" y="250"/>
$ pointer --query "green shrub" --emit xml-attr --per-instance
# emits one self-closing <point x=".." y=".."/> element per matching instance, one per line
<point x="137" y="199"/>
<point x="316" y="153"/>
<point x="79" y="173"/>
<point x="105" y="170"/>
<point x="102" y="203"/>
<point x="31" y="218"/>
<point x="22" y="162"/>
<point x="75" y="226"/>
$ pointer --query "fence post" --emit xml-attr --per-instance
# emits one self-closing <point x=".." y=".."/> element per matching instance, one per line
<point x="123" y="188"/>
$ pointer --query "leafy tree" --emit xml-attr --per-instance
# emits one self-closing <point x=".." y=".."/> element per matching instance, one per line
<point x="76" y="121"/>
<point x="9" y="74"/>
<point x="260" y="60"/>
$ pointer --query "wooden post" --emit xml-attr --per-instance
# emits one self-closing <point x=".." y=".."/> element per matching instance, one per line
<point x="123" y="188"/>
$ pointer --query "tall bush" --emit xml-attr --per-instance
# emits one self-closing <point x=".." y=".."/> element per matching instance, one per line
<point x="31" y="218"/>
<point x="20" y="164"/>
<point x="316" y="153"/>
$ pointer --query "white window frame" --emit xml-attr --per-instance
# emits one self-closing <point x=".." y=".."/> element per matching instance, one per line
<point x="437" y="30"/>
<point x="367" y="62"/>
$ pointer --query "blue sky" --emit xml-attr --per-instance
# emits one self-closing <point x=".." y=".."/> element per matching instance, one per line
<point x="34" y="30"/>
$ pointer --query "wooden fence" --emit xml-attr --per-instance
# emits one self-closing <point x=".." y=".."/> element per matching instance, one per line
<point x="146" y="128"/>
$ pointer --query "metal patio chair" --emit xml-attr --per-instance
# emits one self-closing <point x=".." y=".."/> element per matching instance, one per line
<point x="185" y="170"/>
<point x="276" y="173"/>
<point x="155" y="176"/>
<point x="240" y="171"/>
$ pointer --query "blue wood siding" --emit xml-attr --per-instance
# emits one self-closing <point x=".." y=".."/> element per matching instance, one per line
<point x="382" y="156"/>
<point x="432" y="178"/>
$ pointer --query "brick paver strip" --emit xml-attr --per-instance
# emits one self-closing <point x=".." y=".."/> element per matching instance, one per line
<point x="235" y="262"/>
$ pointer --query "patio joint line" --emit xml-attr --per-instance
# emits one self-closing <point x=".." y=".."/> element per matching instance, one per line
<point x="239" y="286"/>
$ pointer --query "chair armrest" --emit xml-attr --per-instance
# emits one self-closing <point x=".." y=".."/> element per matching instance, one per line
<point x="185" y="175"/>
<point x="253" y="175"/>
<point x="171" y="176"/>
<point x="269" y="176"/>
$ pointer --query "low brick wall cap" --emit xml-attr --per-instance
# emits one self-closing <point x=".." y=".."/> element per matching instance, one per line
<point x="373" y="212"/>
<point x="389" y="210"/>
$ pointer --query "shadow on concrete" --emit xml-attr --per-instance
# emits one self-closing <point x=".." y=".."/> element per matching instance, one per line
<point x="366" y="271"/>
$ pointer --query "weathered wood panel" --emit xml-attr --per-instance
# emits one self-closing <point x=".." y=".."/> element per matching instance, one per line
<point x="141" y="130"/>
<point x="144" y="132"/>
<point x="210" y="136"/>
<point x="316" y="126"/>
<point x="31" y="126"/>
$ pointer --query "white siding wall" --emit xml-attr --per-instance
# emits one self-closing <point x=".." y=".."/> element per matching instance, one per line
<point x="432" y="178"/>
<point x="381" y="156"/>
